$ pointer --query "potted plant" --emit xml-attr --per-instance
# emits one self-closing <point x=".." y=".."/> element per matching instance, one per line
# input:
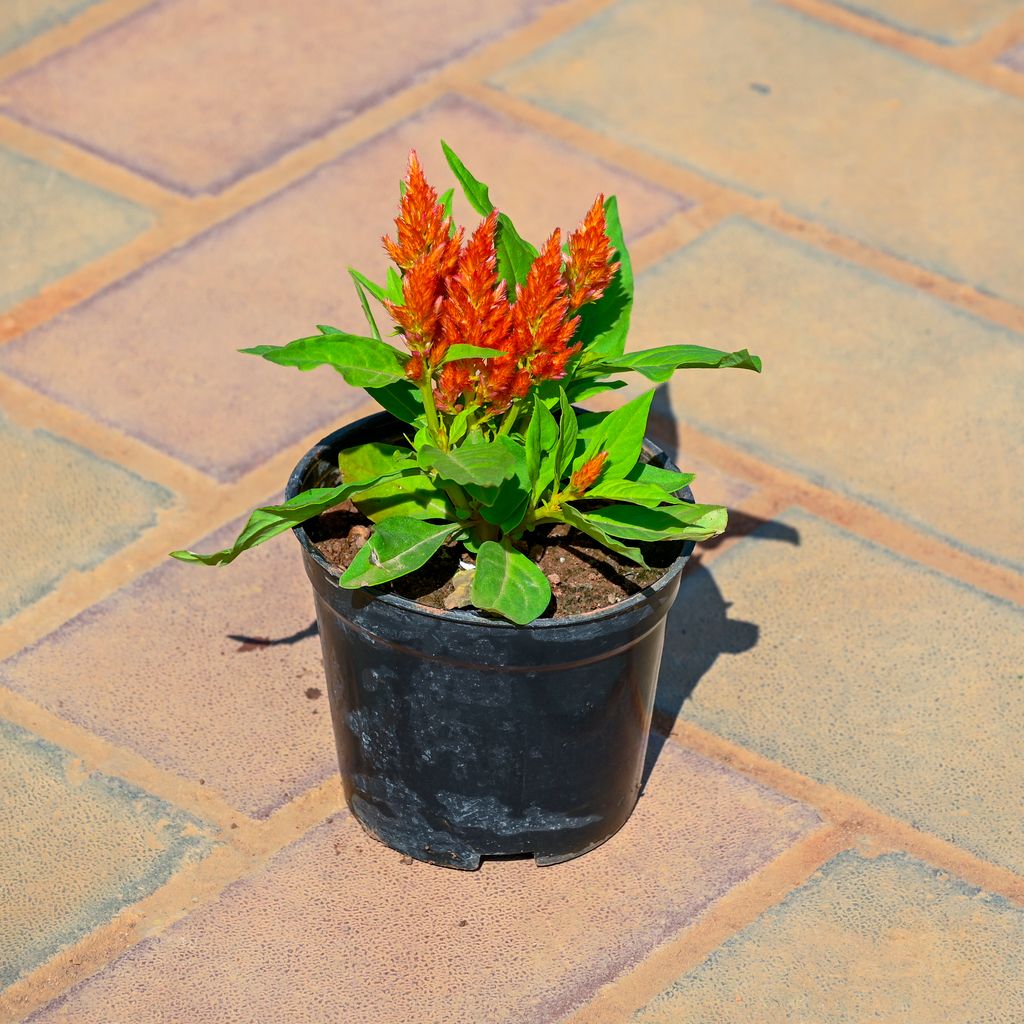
<point x="512" y="715"/>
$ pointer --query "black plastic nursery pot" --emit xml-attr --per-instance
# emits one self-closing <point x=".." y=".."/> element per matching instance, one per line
<point x="461" y="736"/>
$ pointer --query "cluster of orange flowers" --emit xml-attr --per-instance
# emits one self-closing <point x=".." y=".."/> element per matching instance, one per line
<point x="452" y="295"/>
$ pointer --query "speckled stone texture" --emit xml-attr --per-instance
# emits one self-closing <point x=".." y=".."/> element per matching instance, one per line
<point x="888" y="939"/>
<point x="950" y="22"/>
<point x="20" y="20"/>
<point x="63" y="510"/>
<point x="332" y="930"/>
<point x="870" y="673"/>
<point x="77" y="847"/>
<point x="181" y="91"/>
<point x="51" y="224"/>
<point x="873" y="363"/>
<point x="839" y="129"/>
<point x="173" y="668"/>
<point x="267" y="277"/>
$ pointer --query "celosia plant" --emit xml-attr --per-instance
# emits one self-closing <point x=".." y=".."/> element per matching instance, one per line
<point x="500" y="341"/>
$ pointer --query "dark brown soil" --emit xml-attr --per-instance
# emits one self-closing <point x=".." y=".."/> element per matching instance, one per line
<point x="584" y="575"/>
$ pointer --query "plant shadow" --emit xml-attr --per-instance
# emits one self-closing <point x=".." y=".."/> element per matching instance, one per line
<point x="254" y="643"/>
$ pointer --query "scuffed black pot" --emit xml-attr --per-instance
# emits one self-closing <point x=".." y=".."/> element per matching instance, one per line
<point x="461" y="736"/>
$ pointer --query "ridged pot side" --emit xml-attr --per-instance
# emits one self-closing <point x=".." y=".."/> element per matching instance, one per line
<point x="461" y="736"/>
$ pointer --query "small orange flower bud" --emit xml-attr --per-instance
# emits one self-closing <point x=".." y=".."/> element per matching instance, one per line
<point x="586" y="476"/>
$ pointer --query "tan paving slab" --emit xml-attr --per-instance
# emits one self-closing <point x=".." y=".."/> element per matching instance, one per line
<point x="176" y="667"/>
<point x="870" y="388"/>
<point x="339" y="928"/>
<point x="269" y="276"/>
<point x="864" y="671"/>
<point x="888" y="939"/>
<point x="20" y="20"/>
<point x="196" y="93"/>
<point x="950" y="22"/>
<point x="78" y="846"/>
<point x="1014" y="57"/>
<point x="895" y="153"/>
<point x="51" y="224"/>
<point x="63" y="509"/>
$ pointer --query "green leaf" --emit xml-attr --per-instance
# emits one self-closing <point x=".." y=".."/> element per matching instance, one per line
<point x="363" y="362"/>
<point x="459" y="425"/>
<point x="648" y="495"/>
<point x="414" y="496"/>
<point x="397" y="546"/>
<point x="582" y="388"/>
<point x="658" y="364"/>
<point x="507" y="506"/>
<point x="507" y="582"/>
<point x="621" y="435"/>
<point x="364" y="302"/>
<point x="374" y="289"/>
<point x="446" y="201"/>
<point x="486" y="465"/>
<point x="368" y="461"/>
<point x="394" y="291"/>
<point x="667" y="479"/>
<point x="584" y="524"/>
<point x="568" y="431"/>
<point x="401" y="399"/>
<point x="678" y="522"/>
<point x="541" y="439"/>
<point x="476" y="191"/>
<point x="604" y="324"/>
<point x="270" y="520"/>
<point x="469" y="352"/>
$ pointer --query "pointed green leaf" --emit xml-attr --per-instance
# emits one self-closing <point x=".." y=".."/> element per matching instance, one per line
<point x="459" y="425"/>
<point x="368" y="461"/>
<point x="374" y="289"/>
<point x="394" y="289"/>
<point x="621" y="435"/>
<point x="365" y="303"/>
<point x="648" y="495"/>
<point x="580" y="389"/>
<point x="476" y="191"/>
<point x="507" y="582"/>
<point x="397" y="547"/>
<point x="363" y="362"/>
<point x="667" y="479"/>
<point x="446" y="202"/>
<point x="271" y="520"/>
<point x="401" y="399"/>
<point x="677" y="522"/>
<point x="658" y="364"/>
<point x="507" y="506"/>
<point x="584" y="524"/>
<point x="485" y="465"/>
<point x="515" y="254"/>
<point x="470" y="352"/>
<point x="541" y="440"/>
<point x="414" y="496"/>
<point x="568" y="431"/>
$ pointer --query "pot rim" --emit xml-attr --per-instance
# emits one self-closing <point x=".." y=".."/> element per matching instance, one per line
<point x="295" y="486"/>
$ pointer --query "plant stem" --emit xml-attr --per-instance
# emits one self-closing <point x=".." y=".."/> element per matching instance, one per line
<point x="510" y="417"/>
<point x="433" y="423"/>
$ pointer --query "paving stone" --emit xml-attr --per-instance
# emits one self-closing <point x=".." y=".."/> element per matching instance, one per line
<point x="337" y="927"/>
<point x="950" y="22"/>
<point x="840" y="129"/>
<point x="864" y="671"/>
<point x="20" y="20"/>
<point x="63" y="509"/>
<point x="889" y="939"/>
<point x="268" y="276"/>
<point x="176" y="667"/>
<point x="181" y="91"/>
<point x="870" y="388"/>
<point x="52" y="224"/>
<point x="1014" y="57"/>
<point x="78" y="847"/>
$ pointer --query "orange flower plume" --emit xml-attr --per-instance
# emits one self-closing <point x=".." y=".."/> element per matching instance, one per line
<point x="586" y="476"/>
<point x="451" y="295"/>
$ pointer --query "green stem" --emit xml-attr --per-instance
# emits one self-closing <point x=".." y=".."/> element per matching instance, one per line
<point x="510" y="417"/>
<point x="433" y="423"/>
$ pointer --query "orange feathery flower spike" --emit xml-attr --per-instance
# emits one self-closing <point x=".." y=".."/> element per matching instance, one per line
<point x="584" y="478"/>
<point x="589" y="269"/>
<point x="421" y="223"/>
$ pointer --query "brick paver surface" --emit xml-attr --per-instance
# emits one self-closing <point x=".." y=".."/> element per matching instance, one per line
<point x="831" y="827"/>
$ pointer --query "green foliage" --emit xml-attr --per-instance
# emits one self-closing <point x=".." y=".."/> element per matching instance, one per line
<point x="487" y="478"/>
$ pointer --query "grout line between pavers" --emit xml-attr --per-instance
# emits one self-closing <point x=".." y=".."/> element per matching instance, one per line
<point x="723" y="200"/>
<point x="972" y="61"/>
<point x="620" y="998"/>
<point x="883" y="831"/>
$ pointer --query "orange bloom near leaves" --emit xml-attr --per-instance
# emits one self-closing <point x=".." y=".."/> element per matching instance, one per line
<point x="452" y="295"/>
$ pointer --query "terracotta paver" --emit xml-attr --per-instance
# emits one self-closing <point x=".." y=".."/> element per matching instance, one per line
<point x="879" y="677"/>
<point x="63" y="510"/>
<point x="207" y="111"/>
<point x="885" y="939"/>
<point x="20" y="20"/>
<point x="1014" y="57"/>
<point x="778" y="104"/>
<point x="268" y="276"/>
<point x="77" y="847"/>
<point x="52" y="224"/>
<point x="872" y="362"/>
<point x="200" y="695"/>
<point x="950" y="22"/>
<point x="330" y="928"/>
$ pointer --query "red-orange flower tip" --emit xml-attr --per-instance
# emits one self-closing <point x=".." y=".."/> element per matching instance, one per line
<point x="589" y="269"/>
<point x="586" y="476"/>
<point x="422" y="224"/>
